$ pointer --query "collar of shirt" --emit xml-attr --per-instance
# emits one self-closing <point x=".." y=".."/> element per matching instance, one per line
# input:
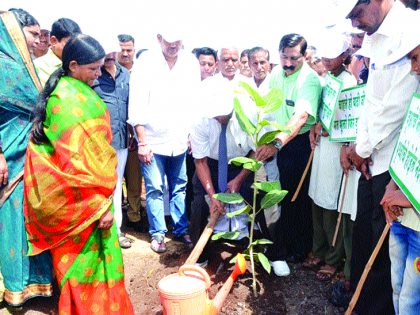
<point x="55" y="61"/>
<point x="391" y="21"/>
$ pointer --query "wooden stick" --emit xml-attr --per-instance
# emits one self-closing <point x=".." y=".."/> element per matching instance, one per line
<point x="202" y="241"/>
<point x="305" y="172"/>
<point x="366" y="271"/>
<point x="341" y="213"/>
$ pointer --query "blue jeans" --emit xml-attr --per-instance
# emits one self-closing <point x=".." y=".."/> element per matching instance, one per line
<point x="404" y="251"/>
<point x="174" y="167"/>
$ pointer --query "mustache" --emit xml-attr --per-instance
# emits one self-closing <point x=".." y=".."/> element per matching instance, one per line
<point x="289" y="68"/>
<point x="109" y="59"/>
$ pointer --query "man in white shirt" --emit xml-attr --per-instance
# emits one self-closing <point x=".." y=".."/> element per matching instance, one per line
<point x="218" y="94"/>
<point x="388" y="93"/>
<point x="161" y="106"/>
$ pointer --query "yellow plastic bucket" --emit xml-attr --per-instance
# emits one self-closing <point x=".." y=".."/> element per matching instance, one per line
<point x="184" y="293"/>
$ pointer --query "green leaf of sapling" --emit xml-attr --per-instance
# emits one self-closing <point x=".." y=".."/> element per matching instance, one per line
<point x="245" y="123"/>
<point x="229" y="198"/>
<point x="268" y="186"/>
<point x="272" y="198"/>
<point x="259" y="101"/>
<point x="243" y="210"/>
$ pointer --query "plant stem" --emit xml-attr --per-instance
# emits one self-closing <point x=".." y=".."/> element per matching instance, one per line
<point x="251" y="237"/>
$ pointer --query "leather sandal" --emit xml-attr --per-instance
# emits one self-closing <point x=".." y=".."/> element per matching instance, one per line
<point x="124" y="241"/>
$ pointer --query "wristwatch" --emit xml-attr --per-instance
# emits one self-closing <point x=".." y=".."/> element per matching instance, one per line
<point x="277" y="144"/>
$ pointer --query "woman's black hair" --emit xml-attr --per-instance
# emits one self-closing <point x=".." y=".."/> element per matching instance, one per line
<point x="24" y="18"/>
<point x="81" y="48"/>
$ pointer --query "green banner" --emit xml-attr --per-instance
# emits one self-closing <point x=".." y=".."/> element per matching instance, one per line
<point x="405" y="161"/>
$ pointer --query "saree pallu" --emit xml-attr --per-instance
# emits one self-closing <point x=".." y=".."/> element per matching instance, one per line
<point x="24" y="277"/>
<point x="68" y="186"/>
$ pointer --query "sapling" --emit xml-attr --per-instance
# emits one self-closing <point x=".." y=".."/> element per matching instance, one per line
<point x="253" y="126"/>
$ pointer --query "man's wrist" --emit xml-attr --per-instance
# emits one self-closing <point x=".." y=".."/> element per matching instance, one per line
<point x="277" y="144"/>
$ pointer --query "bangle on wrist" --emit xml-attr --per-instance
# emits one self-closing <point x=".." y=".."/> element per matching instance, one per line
<point x="346" y="144"/>
<point x="142" y="143"/>
<point x="322" y="132"/>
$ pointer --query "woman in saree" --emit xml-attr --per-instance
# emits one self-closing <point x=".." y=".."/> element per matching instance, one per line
<point x="24" y="277"/>
<point x="70" y="176"/>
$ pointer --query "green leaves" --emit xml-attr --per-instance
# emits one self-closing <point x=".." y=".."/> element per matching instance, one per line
<point x="246" y="210"/>
<point x="245" y="123"/>
<point x="226" y="235"/>
<point x="268" y="186"/>
<point x="273" y="100"/>
<point x="264" y="262"/>
<point x="272" y="198"/>
<point x="248" y="163"/>
<point x="229" y="198"/>
<point x="259" y="101"/>
<point x="267" y="137"/>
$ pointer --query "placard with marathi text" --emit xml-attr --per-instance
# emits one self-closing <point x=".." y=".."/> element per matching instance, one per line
<point x="350" y="106"/>
<point x="405" y="161"/>
<point x="330" y="93"/>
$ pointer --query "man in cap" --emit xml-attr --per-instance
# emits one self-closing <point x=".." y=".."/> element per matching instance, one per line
<point x="113" y="88"/>
<point x="404" y="239"/>
<point x="61" y="31"/>
<point x="302" y="92"/>
<point x="215" y="139"/>
<point x="388" y="93"/>
<point x="161" y="97"/>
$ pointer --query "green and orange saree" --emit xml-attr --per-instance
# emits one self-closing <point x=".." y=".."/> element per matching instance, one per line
<point x="68" y="186"/>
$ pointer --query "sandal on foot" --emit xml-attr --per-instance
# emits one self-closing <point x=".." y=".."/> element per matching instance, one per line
<point x="310" y="263"/>
<point x="325" y="274"/>
<point x="157" y="244"/>
<point x="124" y="241"/>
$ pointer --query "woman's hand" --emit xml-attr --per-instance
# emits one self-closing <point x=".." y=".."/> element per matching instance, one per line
<point x="4" y="171"/>
<point x="106" y="220"/>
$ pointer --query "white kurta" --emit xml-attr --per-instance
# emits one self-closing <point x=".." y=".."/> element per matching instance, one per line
<point x="326" y="174"/>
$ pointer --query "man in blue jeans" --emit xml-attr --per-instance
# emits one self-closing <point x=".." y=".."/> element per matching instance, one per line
<point x="161" y="107"/>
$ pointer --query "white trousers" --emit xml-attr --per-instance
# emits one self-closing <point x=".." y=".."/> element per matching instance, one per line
<point x="117" y="199"/>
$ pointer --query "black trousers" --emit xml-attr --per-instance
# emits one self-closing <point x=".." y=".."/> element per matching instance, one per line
<point x="376" y="295"/>
<point x="199" y="207"/>
<point x="294" y="229"/>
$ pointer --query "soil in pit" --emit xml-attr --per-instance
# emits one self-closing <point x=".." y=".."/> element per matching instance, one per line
<point x="300" y="293"/>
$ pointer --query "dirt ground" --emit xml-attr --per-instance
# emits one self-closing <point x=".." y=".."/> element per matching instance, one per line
<point x="299" y="293"/>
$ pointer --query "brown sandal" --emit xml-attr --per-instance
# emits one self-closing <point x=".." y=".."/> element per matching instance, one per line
<point x="325" y="274"/>
<point x="310" y="263"/>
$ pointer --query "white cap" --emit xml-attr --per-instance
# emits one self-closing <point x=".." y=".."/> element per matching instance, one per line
<point x="410" y="39"/>
<point x="171" y="33"/>
<point x="366" y="45"/>
<point x="110" y="44"/>
<point x="344" y="6"/>
<point x="221" y="102"/>
<point x="333" y="46"/>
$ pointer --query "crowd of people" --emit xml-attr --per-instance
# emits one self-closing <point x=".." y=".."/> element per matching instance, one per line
<point x="79" y="117"/>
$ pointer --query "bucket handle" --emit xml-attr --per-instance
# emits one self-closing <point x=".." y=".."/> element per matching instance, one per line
<point x="198" y="269"/>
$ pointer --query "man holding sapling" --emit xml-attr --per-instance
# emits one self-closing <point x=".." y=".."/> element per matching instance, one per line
<point x="216" y="138"/>
<point x="301" y="88"/>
